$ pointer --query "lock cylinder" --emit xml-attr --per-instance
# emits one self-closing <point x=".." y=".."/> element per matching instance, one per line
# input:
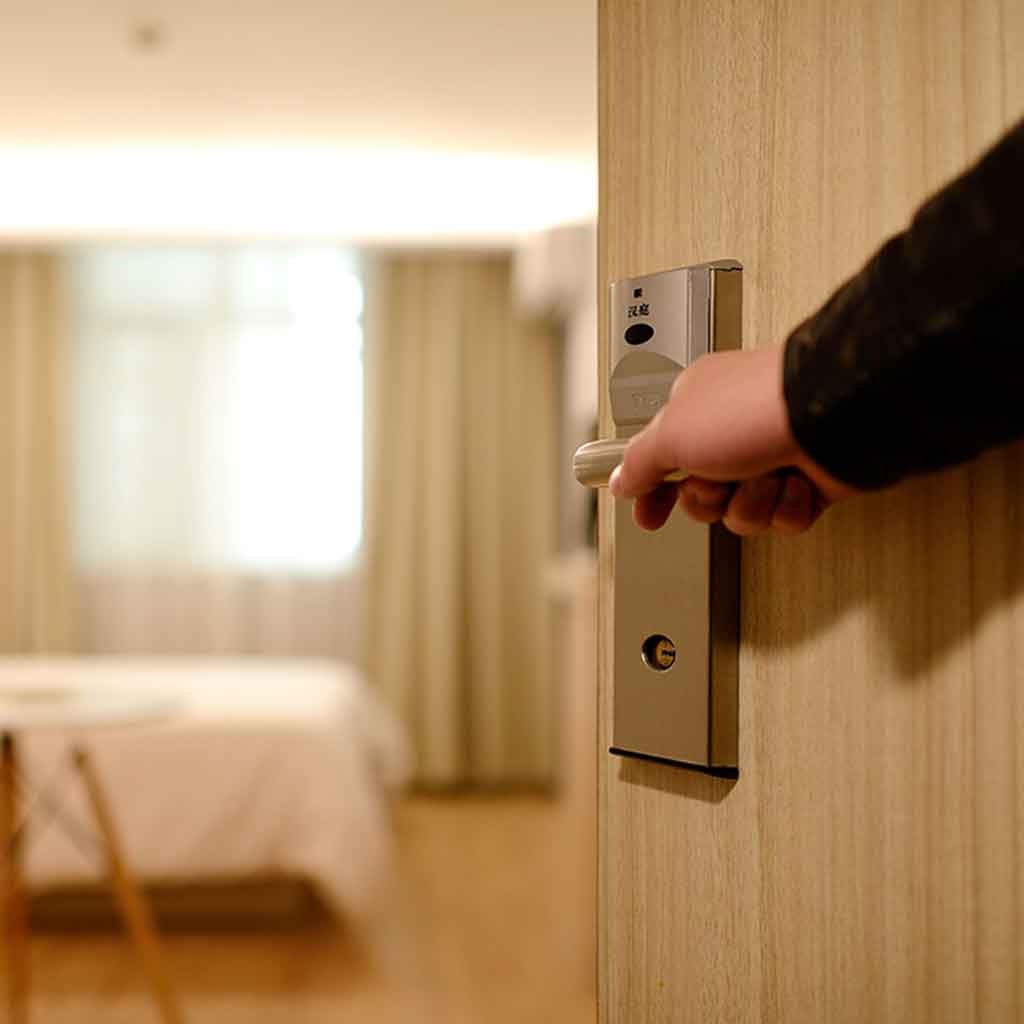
<point x="658" y="652"/>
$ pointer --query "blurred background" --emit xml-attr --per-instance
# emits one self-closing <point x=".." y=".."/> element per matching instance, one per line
<point x="297" y="337"/>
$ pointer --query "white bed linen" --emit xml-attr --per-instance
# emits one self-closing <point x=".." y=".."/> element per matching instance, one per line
<point x="273" y="766"/>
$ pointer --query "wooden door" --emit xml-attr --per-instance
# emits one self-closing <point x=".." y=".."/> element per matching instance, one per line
<point x="868" y="865"/>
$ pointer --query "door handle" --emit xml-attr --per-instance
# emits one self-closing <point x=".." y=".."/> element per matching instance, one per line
<point x="675" y="602"/>
<point x="595" y="461"/>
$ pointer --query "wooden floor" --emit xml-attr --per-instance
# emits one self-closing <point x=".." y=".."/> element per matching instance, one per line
<point x="489" y="925"/>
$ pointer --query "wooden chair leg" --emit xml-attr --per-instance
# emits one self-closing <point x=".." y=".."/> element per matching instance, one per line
<point x="15" y="916"/>
<point x="131" y="902"/>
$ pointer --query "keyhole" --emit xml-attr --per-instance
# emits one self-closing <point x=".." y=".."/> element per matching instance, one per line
<point x="659" y="652"/>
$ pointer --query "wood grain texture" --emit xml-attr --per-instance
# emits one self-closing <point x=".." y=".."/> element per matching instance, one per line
<point x="868" y="866"/>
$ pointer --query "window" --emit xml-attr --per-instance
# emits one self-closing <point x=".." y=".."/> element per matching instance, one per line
<point x="218" y="408"/>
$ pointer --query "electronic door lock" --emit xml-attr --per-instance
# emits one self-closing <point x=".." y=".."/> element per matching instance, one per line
<point x="658" y="325"/>
<point x="676" y="591"/>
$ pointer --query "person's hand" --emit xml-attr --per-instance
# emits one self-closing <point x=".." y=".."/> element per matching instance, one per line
<point x="726" y="424"/>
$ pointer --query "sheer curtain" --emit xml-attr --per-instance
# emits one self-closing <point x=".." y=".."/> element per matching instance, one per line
<point x="217" y="448"/>
<point x="461" y="515"/>
<point x="37" y="609"/>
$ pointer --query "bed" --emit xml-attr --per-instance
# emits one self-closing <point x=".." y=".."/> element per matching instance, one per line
<point x="272" y="768"/>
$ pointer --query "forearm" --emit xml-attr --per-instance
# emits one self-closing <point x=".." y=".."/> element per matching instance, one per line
<point x="917" y="362"/>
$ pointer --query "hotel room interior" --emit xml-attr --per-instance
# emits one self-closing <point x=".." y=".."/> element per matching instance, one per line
<point x="297" y="336"/>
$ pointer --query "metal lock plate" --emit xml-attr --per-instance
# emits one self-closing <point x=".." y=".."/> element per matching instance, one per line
<point x="676" y="597"/>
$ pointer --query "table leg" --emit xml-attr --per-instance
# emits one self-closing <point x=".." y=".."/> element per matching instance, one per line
<point x="15" y="916"/>
<point x="130" y="899"/>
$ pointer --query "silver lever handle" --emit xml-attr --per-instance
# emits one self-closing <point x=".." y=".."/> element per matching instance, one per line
<point x="594" y="461"/>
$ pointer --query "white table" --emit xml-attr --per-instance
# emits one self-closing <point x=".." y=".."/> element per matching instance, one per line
<point x="71" y="709"/>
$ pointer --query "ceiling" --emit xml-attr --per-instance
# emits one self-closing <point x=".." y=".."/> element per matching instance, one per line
<point x="389" y="120"/>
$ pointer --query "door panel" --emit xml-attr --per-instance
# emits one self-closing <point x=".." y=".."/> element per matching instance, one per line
<point x="867" y="865"/>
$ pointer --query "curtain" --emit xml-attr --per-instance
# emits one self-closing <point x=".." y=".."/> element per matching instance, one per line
<point x="461" y="515"/>
<point x="218" y="449"/>
<point x="36" y="590"/>
<point x="155" y="612"/>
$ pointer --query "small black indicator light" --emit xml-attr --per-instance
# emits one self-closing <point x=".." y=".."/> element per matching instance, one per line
<point x="638" y="293"/>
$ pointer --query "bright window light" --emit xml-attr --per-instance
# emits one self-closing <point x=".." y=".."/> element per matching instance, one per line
<point x="218" y="408"/>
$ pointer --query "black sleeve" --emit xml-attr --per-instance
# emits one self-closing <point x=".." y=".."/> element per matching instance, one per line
<point x="917" y="362"/>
